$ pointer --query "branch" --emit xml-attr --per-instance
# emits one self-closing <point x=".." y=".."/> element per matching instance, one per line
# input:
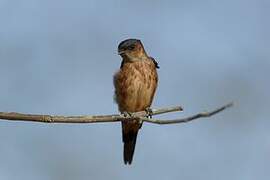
<point x="140" y="116"/>
<point x="13" y="116"/>
<point x="187" y="119"/>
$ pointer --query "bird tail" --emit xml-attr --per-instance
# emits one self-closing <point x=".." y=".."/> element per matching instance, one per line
<point x="129" y="134"/>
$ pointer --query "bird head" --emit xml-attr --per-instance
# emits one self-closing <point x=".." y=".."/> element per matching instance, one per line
<point x="131" y="50"/>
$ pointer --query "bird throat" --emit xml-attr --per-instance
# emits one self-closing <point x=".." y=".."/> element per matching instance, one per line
<point x="133" y="59"/>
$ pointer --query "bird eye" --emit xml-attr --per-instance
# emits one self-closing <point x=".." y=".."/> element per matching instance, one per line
<point x="130" y="47"/>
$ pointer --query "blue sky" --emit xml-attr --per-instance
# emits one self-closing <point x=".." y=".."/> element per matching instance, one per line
<point x="58" y="57"/>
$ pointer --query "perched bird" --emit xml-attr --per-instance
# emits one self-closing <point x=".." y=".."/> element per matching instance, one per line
<point x="135" y="85"/>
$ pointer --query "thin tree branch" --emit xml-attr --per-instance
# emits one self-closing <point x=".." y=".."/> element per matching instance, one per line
<point x="140" y="116"/>
<point x="13" y="116"/>
<point x="187" y="119"/>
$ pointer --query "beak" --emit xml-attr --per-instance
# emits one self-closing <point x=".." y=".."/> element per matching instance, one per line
<point x="120" y="52"/>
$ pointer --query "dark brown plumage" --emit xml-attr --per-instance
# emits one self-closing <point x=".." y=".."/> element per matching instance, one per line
<point x="135" y="85"/>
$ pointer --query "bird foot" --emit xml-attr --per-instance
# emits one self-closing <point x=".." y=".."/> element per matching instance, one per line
<point x="149" y="112"/>
<point x="127" y="114"/>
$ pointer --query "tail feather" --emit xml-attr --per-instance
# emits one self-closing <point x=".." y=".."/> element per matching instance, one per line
<point x="129" y="140"/>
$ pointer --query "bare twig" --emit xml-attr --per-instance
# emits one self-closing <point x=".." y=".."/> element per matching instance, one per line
<point x="140" y="116"/>
<point x="13" y="116"/>
<point x="187" y="119"/>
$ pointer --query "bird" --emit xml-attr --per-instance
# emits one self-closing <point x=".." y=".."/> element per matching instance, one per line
<point x="135" y="85"/>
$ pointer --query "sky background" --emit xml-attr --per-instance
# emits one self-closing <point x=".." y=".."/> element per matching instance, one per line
<point x="58" y="57"/>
